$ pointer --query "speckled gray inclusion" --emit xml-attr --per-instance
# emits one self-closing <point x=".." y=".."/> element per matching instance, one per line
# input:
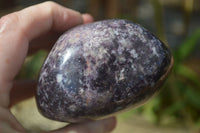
<point x="101" y="68"/>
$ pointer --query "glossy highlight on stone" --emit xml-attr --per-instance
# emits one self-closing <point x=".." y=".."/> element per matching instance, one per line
<point x="99" y="69"/>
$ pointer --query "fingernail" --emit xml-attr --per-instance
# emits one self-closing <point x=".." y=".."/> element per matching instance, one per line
<point x="87" y="18"/>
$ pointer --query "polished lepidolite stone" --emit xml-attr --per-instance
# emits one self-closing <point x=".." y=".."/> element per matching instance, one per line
<point x="99" y="69"/>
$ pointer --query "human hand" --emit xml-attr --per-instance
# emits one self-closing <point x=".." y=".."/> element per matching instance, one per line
<point x="24" y="32"/>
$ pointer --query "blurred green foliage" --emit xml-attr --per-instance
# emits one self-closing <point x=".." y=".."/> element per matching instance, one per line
<point x="187" y="47"/>
<point x="32" y="65"/>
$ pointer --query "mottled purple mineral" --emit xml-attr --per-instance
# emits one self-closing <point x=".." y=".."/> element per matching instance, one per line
<point x="98" y="69"/>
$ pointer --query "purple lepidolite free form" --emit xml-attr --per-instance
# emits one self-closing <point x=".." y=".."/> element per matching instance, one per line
<point x="98" y="69"/>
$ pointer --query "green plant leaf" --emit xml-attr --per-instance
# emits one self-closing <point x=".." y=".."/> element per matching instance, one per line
<point x="188" y="45"/>
<point x="174" y="107"/>
<point x="188" y="74"/>
<point x="192" y="97"/>
<point x="32" y="66"/>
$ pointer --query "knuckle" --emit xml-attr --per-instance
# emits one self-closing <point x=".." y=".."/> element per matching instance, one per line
<point x="5" y="20"/>
<point x="9" y="21"/>
<point x="9" y="18"/>
<point x="50" y="3"/>
<point x="49" y="6"/>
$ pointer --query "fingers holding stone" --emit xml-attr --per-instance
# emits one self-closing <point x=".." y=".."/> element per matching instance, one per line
<point x="99" y="126"/>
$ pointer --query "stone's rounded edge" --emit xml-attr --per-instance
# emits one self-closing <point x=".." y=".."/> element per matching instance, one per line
<point x="57" y="113"/>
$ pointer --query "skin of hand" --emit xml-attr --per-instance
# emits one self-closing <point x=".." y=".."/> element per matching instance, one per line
<point x="22" y="33"/>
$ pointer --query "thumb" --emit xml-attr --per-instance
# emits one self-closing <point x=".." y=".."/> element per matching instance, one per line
<point x="99" y="126"/>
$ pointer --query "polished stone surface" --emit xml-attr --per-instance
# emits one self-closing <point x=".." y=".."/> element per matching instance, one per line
<point x="101" y="68"/>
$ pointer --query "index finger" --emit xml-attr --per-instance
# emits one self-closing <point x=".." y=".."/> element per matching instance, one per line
<point x="16" y="31"/>
<point x="46" y="41"/>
